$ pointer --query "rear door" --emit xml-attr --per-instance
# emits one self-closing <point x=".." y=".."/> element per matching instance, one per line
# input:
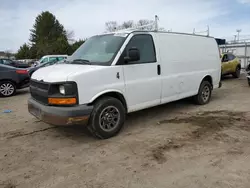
<point x="142" y="78"/>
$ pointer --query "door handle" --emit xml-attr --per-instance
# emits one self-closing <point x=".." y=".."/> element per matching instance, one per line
<point x="159" y="69"/>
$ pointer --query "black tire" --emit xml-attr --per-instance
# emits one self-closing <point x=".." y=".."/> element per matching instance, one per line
<point x="100" y="106"/>
<point x="204" y="90"/>
<point x="10" y="85"/>
<point x="236" y="74"/>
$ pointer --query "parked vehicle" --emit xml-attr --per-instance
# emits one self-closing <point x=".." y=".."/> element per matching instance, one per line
<point x="230" y="65"/>
<point x="11" y="79"/>
<point x="111" y="75"/>
<point x="5" y="61"/>
<point x="52" y="62"/>
<point x="49" y="58"/>
<point x="248" y="74"/>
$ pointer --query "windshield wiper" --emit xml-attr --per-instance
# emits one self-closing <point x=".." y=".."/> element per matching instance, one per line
<point x="81" y="61"/>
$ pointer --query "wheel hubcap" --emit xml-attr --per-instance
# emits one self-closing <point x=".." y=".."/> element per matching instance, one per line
<point x="7" y="89"/>
<point x="205" y="93"/>
<point x="109" y="118"/>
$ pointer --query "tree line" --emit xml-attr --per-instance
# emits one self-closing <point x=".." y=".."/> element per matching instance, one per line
<point x="48" y="36"/>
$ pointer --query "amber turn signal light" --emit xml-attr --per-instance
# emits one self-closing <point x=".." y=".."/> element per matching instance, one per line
<point x="62" y="101"/>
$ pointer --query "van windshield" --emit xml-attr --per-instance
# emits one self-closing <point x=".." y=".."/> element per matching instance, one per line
<point x="98" y="50"/>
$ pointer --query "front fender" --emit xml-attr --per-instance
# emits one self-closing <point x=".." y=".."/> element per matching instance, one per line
<point x="105" y="92"/>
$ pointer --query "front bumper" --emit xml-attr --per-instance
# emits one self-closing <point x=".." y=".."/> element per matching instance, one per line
<point x="77" y="115"/>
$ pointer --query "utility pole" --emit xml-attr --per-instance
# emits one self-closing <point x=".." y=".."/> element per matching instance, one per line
<point x="194" y="31"/>
<point x="238" y="31"/>
<point x="156" y="22"/>
<point x="235" y="36"/>
<point x="208" y="31"/>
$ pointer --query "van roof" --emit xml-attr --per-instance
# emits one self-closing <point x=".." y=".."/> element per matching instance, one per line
<point x="54" y="55"/>
<point x="148" y="31"/>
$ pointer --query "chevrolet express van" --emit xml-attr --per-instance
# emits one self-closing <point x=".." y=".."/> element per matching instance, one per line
<point x="113" y="74"/>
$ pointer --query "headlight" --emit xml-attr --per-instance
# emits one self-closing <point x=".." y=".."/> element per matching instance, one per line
<point x="62" y="89"/>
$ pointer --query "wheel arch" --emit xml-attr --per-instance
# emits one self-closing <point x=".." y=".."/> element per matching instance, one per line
<point x="208" y="78"/>
<point x="111" y="93"/>
<point x="8" y="80"/>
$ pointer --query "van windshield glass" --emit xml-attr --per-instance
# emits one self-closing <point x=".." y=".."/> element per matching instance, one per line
<point x="97" y="50"/>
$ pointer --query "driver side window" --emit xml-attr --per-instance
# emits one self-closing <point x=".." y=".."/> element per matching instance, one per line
<point x="144" y="43"/>
<point x="225" y="58"/>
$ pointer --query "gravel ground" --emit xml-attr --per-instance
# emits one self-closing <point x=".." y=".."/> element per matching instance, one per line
<point x="174" y="145"/>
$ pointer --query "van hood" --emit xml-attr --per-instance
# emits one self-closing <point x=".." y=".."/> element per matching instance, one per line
<point x="61" y="72"/>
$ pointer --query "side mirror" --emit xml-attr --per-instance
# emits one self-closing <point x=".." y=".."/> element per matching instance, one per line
<point x="133" y="55"/>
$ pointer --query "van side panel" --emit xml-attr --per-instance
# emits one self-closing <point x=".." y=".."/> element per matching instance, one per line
<point x="185" y="60"/>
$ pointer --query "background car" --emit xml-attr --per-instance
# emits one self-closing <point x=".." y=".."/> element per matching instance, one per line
<point x="11" y="79"/>
<point x="230" y="64"/>
<point x="49" y="58"/>
<point x="12" y="63"/>
<point x="31" y="70"/>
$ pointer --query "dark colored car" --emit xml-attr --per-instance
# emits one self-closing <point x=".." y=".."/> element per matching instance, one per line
<point x="13" y="63"/>
<point x="11" y="79"/>
<point x="33" y="69"/>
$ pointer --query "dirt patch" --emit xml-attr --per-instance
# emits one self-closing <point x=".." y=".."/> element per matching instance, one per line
<point x="20" y="133"/>
<point x="235" y="151"/>
<point x="158" y="152"/>
<point x="8" y="184"/>
<point x="211" y="122"/>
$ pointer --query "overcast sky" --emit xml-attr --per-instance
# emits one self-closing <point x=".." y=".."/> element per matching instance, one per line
<point x="88" y="17"/>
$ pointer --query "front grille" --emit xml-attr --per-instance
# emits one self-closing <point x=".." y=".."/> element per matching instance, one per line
<point x="39" y="91"/>
<point x="40" y="85"/>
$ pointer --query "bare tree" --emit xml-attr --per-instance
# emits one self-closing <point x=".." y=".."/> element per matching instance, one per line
<point x="127" y="24"/>
<point x="111" y="26"/>
<point x="8" y="54"/>
<point x="70" y="36"/>
<point x="146" y="22"/>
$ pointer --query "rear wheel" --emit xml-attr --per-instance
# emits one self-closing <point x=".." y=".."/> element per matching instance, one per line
<point x="107" y="118"/>
<point x="204" y="95"/>
<point x="7" y="89"/>
<point x="236" y="74"/>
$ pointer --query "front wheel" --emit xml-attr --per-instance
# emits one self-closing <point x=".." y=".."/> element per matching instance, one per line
<point x="7" y="89"/>
<point x="204" y="95"/>
<point x="107" y="118"/>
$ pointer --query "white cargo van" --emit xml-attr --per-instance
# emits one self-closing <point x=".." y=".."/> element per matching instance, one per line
<point x="113" y="74"/>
